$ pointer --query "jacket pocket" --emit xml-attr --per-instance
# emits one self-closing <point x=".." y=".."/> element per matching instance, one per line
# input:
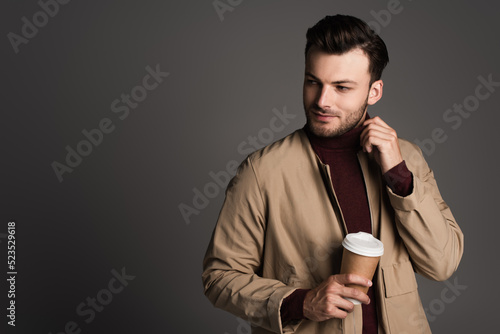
<point x="399" y="279"/>
<point x="403" y="308"/>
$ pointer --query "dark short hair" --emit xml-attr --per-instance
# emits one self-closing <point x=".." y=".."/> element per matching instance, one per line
<point x="342" y="33"/>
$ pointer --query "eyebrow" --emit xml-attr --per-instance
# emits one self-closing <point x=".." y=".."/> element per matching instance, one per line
<point x="338" y="82"/>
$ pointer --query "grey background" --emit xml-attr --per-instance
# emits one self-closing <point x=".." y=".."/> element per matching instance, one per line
<point x="119" y="207"/>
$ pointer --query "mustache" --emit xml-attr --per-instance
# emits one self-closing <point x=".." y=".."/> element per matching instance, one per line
<point x="328" y="112"/>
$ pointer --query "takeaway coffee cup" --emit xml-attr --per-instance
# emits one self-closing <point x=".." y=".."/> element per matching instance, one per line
<point x="362" y="251"/>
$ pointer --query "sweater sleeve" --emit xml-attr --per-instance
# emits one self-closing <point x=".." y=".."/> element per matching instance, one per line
<point x="292" y="307"/>
<point x="399" y="179"/>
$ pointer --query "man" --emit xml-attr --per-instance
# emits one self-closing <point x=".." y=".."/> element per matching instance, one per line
<point x="275" y="254"/>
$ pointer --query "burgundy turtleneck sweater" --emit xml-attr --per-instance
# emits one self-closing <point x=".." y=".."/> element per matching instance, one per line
<point x="340" y="153"/>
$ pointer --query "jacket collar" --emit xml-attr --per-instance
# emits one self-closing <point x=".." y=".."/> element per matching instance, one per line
<point x="372" y="175"/>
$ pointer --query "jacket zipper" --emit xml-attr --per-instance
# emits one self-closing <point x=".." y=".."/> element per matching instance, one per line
<point x="326" y="168"/>
<point x="332" y="190"/>
<point x="336" y="202"/>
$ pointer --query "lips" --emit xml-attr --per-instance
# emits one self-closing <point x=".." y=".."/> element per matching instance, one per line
<point x="323" y="117"/>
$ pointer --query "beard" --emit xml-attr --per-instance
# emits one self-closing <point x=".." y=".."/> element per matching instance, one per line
<point x="349" y="123"/>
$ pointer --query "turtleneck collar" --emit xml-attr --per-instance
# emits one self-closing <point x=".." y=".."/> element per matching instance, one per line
<point x="347" y="141"/>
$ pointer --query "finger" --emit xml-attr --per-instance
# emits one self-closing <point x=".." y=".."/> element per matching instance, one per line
<point x="345" y="305"/>
<point x="370" y="142"/>
<point x="377" y="129"/>
<point x="353" y="279"/>
<point x="382" y="144"/>
<point x="337" y="306"/>
<point x="340" y="313"/>
<point x="356" y="294"/>
<point x="378" y="136"/>
<point x="383" y="128"/>
<point x="376" y="120"/>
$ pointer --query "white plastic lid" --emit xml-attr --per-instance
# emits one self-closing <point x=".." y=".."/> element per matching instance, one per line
<point x="363" y="243"/>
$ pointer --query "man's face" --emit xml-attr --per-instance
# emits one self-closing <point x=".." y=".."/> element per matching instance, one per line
<point x="336" y="91"/>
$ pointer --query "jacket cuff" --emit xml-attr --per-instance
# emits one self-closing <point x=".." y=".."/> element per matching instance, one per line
<point x="274" y="310"/>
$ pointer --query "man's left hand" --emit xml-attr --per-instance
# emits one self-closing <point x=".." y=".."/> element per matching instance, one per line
<point x="382" y="140"/>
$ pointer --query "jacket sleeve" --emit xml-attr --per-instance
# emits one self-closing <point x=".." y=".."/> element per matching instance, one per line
<point x="232" y="264"/>
<point x="424" y="221"/>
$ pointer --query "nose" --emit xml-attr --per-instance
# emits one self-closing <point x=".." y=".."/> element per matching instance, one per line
<point x="325" y="98"/>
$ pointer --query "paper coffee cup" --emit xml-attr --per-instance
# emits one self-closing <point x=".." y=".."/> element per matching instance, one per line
<point x="362" y="252"/>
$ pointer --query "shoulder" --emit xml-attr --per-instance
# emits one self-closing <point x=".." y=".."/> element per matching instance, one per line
<point x="408" y="148"/>
<point x="283" y="151"/>
<point x="413" y="156"/>
<point x="290" y="155"/>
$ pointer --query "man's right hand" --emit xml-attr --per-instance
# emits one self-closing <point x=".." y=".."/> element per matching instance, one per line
<point x="327" y="301"/>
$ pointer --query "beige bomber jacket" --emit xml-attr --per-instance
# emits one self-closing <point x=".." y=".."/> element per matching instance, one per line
<point x="281" y="228"/>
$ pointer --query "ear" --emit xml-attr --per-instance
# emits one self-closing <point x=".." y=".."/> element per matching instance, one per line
<point x="375" y="92"/>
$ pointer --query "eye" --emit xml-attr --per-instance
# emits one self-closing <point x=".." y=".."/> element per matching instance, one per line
<point x="311" y="82"/>
<point x="343" y="88"/>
